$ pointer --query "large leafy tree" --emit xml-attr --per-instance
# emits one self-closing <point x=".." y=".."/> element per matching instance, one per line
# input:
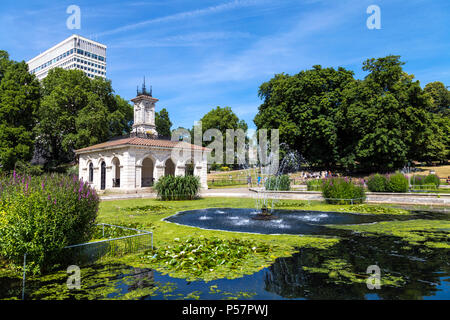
<point x="76" y="112"/>
<point x="389" y="118"/>
<point x="304" y="108"/>
<point x="163" y="123"/>
<point x="19" y="100"/>
<point x="374" y="124"/>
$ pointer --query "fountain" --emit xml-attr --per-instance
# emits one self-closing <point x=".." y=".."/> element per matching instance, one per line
<point x="291" y="162"/>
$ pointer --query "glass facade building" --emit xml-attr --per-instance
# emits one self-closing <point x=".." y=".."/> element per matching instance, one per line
<point x="75" y="52"/>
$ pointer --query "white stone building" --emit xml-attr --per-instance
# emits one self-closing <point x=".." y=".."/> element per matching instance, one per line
<point x="73" y="53"/>
<point x="135" y="163"/>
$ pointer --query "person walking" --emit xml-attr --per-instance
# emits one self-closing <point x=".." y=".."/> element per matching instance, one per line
<point x="249" y="181"/>
<point x="259" y="181"/>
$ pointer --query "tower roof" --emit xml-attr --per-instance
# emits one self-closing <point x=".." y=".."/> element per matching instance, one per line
<point x="143" y="91"/>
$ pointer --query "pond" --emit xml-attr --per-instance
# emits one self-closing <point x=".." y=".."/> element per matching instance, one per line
<point x="284" y="222"/>
<point x="407" y="271"/>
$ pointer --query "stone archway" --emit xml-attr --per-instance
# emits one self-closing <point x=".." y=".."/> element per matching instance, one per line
<point x="148" y="167"/>
<point x="169" y="169"/>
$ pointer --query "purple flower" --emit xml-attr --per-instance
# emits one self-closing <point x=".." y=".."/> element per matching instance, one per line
<point x="43" y="185"/>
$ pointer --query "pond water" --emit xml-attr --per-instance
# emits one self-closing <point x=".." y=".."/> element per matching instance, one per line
<point x="285" y="221"/>
<point x="425" y="272"/>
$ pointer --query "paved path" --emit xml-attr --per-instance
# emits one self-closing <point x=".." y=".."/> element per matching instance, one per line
<point x="398" y="198"/>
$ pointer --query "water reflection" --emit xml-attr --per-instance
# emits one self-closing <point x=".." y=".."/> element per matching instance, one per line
<point x="424" y="271"/>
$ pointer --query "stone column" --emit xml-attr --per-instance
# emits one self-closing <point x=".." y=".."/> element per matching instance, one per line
<point x="138" y="180"/>
<point x="159" y="171"/>
<point x="108" y="177"/>
<point x="180" y="170"/>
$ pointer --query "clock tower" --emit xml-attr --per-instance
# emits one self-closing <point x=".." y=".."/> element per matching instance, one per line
<point x="144" y="113"/>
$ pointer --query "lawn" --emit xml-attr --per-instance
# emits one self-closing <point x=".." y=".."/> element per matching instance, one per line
<point x="441" y="171"/>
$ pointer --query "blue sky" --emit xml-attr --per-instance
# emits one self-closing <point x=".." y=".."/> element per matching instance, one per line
<point x="204" y="53"/>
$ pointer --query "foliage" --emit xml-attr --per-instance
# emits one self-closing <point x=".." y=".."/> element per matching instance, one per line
<point x="440" y="97"/>
<point x="222" y="119"/>
<point x="203" y="255"/>
<point x="25" y="168"/>
<point x="19" y="100"/>
<point x="177" y="187"/>
<point x="77" y="112"/>
<point x="430" y="233"/>
<point x="433" y="179"/>
<point x="397" y="183"/>
<point x="314" y="184"/>
<point x="343" y="191"/>
<point x="163" y="123"/>
<point x="377" y="183"/>
<point x="280" y="183"/>
<point x="373" y="209"/>
<point x="336" y="121"/>
<point x="41" y="215"/>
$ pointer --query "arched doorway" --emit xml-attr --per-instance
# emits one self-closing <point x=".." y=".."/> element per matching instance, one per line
<point x="116" y="173"/>
<point x="169" y="169"/>
<point x="103" y="176"/>
<point x="147" y="173"/>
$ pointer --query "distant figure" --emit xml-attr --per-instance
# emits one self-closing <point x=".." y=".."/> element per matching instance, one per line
<point x="259" y="181"/>
<point x="249" y="181"/>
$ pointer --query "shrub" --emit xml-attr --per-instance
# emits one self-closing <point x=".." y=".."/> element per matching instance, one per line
<point x="41" y="215"/>
<point x="313" y="185"/>
<point x="377" y="183"/>
<point x="342" y="190"/>
<point x="178" y="188"/>
<point x="432" y="179"/>
<point x="397" y="183"/>
<point x="418" y="180"/>
<point x="279" y="183"/>
<point x="26" y="168"/>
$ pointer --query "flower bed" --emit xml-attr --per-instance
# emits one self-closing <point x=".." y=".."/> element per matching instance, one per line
<point x="41" y="215"/>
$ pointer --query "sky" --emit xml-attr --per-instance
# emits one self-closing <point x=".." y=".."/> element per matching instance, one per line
<point x="206" y="53"/>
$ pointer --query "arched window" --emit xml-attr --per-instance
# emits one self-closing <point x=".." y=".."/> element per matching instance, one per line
<point x="103" y="176"/>
<point x="91" y="172"/>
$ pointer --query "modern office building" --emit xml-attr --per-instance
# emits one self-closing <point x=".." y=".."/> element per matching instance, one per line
<point x="75" y="52"/>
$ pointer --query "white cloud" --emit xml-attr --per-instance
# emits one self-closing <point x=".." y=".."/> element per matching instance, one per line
<point x="192" y="39"/>
<point x="186" y="15"/>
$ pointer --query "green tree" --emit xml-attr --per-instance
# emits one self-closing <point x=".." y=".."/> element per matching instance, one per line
<point x="389" y="117"/>
<point x="163" y="123"/>
<point x="304" y="108"/>
<point x="19" y="100"/>
<point x="440" y="97"/>
<point x="222" y="119"/>
<point x="336" y="121"/>
<point x="76" y="112"/>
